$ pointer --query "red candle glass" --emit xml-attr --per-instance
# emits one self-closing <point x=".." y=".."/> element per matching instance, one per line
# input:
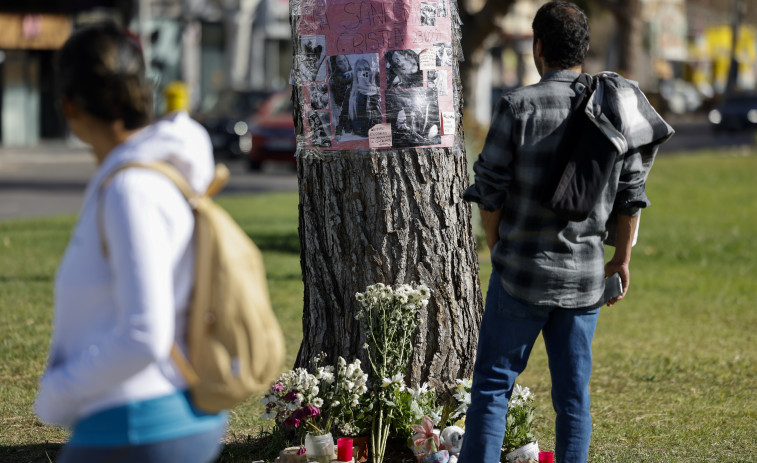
<point x="344" y="449"/>
<point x="546" y="457"/>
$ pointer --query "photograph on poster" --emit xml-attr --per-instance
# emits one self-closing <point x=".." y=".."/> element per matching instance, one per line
<point x="319" y="95"/>
<point x="414" y="117"/>
<point x="312" y="57"/>
<point x="428" y="14"/>
<point x="441" y="9"/>
<point x="403" y="69"/>
<point x="355" y="95"/>
<point x="320" y="128"/>
<point x="443" y="54"/>
<point x="437" y="79"/>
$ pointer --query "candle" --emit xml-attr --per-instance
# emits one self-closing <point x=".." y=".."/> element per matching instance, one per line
<point x="344" y="449"/>
<point x="546" y="457"/>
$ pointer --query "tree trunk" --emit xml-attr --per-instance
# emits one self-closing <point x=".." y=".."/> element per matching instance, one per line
<point x="630" y="23"/>
<point x="478" y="23"/>
<point x="392" y="216"/>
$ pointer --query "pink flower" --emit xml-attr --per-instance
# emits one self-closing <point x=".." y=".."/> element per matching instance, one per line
<point x="424" y="435"/>
<point x="312" y="410"/>
<point x="301" y="451"/>
<point x="292" y="421"/>
<point x="277" y="387"/>
<point x="291" y="396"/>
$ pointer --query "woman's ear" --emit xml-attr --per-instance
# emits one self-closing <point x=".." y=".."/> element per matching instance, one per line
<point x="70" y="110"/>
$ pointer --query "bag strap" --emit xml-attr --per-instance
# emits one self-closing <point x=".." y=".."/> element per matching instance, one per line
<point x="559" y="162"/>
<point x="220" y="178"/>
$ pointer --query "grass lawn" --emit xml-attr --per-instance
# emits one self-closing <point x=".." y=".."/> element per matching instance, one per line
<point x="675" y="364"/>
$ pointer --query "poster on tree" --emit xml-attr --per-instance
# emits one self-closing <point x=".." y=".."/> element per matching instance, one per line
<point x="375" y="74"/>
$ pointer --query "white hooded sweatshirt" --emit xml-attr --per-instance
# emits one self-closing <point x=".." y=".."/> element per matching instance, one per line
<point x="116" y="318"/>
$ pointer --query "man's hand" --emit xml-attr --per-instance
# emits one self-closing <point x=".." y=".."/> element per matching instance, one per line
<point x="490" y="223"/>
<point x="620" y="261"/>
<point x="622" y="268"/>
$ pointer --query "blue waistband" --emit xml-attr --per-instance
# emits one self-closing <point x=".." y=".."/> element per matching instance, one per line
<point x="162" y="418"/>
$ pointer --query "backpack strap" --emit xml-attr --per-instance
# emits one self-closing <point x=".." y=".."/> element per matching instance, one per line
<point x="220" y="178"/>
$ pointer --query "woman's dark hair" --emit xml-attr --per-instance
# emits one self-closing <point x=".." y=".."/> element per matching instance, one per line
<point x="102" y="70"/>
<point x="563" y="30"/>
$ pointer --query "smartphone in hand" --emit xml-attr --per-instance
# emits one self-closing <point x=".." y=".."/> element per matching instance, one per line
<point x="613" y="288"/>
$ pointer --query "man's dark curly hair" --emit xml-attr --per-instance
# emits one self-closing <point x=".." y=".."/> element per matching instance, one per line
<point x="563" y="30"/>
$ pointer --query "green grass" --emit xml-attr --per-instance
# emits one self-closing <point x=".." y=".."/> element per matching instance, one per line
<point x="675" y="363"/>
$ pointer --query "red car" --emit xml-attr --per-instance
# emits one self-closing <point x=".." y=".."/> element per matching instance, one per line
<point x="272" y="131"/>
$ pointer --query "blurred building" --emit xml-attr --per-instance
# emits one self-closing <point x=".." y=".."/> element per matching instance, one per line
<point x="687" y="50"/>
<point x="210" y="45"/>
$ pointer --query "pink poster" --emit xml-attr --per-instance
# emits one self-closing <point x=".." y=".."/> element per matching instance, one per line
<point x="375" y="74"/>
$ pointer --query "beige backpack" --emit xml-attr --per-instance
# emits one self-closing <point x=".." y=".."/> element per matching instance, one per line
<point x="234" y="341"/>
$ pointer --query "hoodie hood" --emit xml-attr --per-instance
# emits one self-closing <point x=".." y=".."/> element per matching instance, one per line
<point x="177" y="139"/>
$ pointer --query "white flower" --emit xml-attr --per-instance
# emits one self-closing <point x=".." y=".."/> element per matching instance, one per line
<point x="464" y="383"/>
<point x="318" y="402"/>
<point x="521" y="395"/>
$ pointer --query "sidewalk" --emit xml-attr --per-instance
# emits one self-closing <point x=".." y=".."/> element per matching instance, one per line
<point x="46" y="152"/>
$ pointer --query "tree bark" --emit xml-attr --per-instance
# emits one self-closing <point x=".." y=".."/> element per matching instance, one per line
<point x="392" y="216"/>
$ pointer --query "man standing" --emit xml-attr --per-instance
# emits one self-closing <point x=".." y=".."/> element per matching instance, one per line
<point x="549" y="272"/>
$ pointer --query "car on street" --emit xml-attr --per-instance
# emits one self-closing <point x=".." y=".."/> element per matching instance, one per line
<point x="272" y="130"/>
<point x="226" y="118"/>
<point x="735" y="112"/>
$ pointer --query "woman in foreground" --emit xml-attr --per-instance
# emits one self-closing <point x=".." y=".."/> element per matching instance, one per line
<point x="124" y="284"/>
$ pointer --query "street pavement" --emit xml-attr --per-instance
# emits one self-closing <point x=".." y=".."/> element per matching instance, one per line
<point x="50" y="179"/>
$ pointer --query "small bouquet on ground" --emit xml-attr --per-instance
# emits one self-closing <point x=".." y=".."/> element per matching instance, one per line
<point x="293" y="401"/>
<point x="410" y="405"/>
<point x="519" y="445"/>
<point x="313" y="403"/>
<point x="344" y="388"/>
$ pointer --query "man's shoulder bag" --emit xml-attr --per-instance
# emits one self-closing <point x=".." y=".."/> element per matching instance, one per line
<point x="582" y="164"/>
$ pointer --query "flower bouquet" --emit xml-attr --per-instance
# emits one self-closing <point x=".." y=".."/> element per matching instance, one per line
<point x="293" y="401"/>
<point x="315" y="403"/>
<point x="388" y="317"/>
<point x="520" y="446"/>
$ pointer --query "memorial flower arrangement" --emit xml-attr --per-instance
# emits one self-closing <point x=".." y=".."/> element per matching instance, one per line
<point x="389" y="318"/>
<point x="293" y="401"/>
<point x="519" y="430"/>
<point x="410" y="405"/>
<point x="314" y="403"/>
<point x="345" y="386"/>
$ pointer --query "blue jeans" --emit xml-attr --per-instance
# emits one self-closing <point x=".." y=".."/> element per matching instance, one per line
<point x="197" y="448"/>
<point x="508" y="331"/>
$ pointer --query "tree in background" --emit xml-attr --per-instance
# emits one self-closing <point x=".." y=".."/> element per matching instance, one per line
<point x="392" y="215"/>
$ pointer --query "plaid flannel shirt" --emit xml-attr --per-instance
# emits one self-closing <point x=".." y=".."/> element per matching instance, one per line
<point x="542" y="259"/>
